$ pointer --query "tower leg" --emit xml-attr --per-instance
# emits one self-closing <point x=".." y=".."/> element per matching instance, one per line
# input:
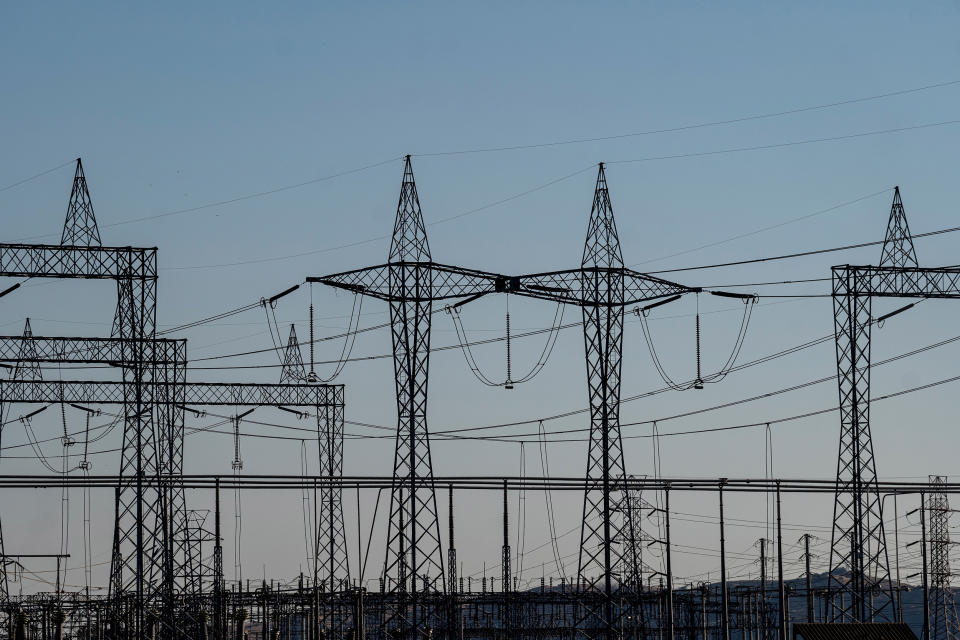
<point x="602" y="533"/>
<point x="858" y="544"/>
<point x="331" y="538"/>
<point x="140" y="541"/>
<point x="414" y="561"/>
<point x="333" y="565"/>
<point x="170" y="398"/>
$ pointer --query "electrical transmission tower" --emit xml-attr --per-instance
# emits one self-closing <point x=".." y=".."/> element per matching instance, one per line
<point x="140" y="542"/>
<point x="332" y="563"/>
<point x="80" y="227"/>
<point x="27" y="369"/>
<point x="411" y="282"/>
<point x="944" y="623"/>
<point x="602" y="287"/>
<point x="148" y="564"/>
<point x="292" y="371"/>
<point x="636" y="537"/>
<point x="858" y="543"/>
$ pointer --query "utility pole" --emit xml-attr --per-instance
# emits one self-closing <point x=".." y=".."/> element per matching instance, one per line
<point x="724" y="606"/>
<point x="505" y="573"/>
<point x="762" y="612"/>
<point x="218" y="609"/>
<point x="926" y="585"/>
<point x="782" y="617"/>
<point x="666" y="506"/>
<point x="806" y="558"/>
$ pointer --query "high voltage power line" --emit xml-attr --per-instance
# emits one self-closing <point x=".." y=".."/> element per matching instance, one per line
<point x="455" y="434"/>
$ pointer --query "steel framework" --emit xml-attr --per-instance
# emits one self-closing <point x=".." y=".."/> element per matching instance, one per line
<point x="147" y="566"/>
<point x="945" y="624"/>
<point x="602" y="287"/>
<point x="332" y="563"/>
<point x="411" y="282"/>
<point x="136" y="567"/>
<point x="858" y="543"/>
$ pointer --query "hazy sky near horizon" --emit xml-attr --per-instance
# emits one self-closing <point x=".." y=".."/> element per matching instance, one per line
<point x="296" y="118"/>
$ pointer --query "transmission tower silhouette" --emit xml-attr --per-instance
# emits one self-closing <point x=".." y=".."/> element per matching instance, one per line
<point x="859" y="579"/>
<point x="28" y="370"/>
<point x="27" y="366"/>
<point x="80" y="227"/>
<point x="944" y="623"/>
<point x="604" y="504"/>
<point x="411" y="282"/>
<point x="292" y="370"/>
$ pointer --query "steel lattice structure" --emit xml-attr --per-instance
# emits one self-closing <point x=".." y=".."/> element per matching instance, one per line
<point x="858" y="542"/>
<point x="331" y="564"/>
<point x="80" y="227"/>
<point x="602" y="287"/>
<point x="136" y="567"/>
<point x="944" y="623"/>
<point x="148" y="563"/>
<point x="411" y="282"/>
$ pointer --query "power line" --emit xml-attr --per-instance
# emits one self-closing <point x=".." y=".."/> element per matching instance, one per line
<point x="35" y="176"/>
<point x="241" y="198"/>
<point x="770" y="227"/>
<point x="800" y="254"/>
<point x="349" y="245"/>
<point x="688" y="127"/>
<point x="792" y="143"/>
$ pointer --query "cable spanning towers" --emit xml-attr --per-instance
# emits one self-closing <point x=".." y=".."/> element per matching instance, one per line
<point x="944" y="624"/>
<point x="602" y="287"/>
<point x="858" y="543"/>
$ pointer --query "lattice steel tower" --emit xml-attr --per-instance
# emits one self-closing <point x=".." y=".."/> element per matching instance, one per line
<point x="604" y="507"/>
<point x="944" y="624"/>
<point x="411" y="282"/>
<point x="292" y="371"/>
<point x="858" y="543"/>
<point x="602" y="287"/>
<point x="80" y="226"/>
<point x="332" y="560"/>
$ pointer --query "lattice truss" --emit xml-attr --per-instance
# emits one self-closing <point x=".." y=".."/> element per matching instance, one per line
<point x="149" y="564"/>
<point x="411" y="282"/>
<point x="944" y="623"/>
<point x="332" y="564"/>
<point x="860" y="568"/>
<point x="602" y="287"/>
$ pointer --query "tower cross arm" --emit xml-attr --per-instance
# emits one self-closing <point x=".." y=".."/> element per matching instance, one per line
<point x="593" y="285"/>
<point x="223" y="394"/>
<point x="89" y="350"/>
<point x="416" y="281"/>
<point x="69" y="261"/>
<point x="897" y="282"/>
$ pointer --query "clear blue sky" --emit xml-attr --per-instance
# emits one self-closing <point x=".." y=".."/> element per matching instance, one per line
<point x="179" y="107"/>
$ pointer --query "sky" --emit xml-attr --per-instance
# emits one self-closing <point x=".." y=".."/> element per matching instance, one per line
<point x="256" y="145"/>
